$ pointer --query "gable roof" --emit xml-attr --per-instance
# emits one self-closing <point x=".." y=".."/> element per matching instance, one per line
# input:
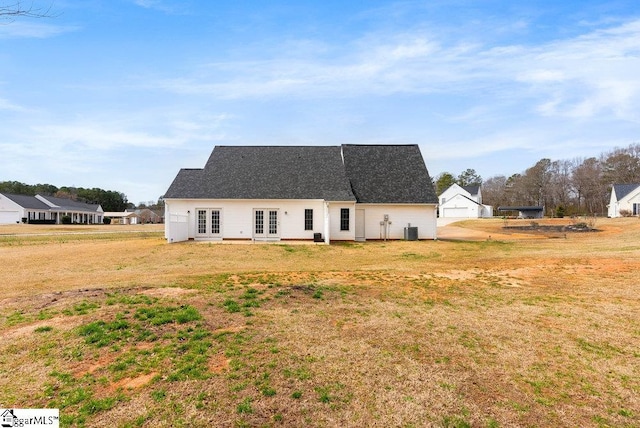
<point x="462" y="196"/>
<point x="26" y="201"/>
<point x="623" y="190"/>
<point x="473" y="190"/>
<point x="388" y="174"/>
<point x="51" y="203"/>
<point x="68" y="204"/>
<point x="362" y="173"/>
<point x="266" y="172"/>
<point x="187" y="184"/>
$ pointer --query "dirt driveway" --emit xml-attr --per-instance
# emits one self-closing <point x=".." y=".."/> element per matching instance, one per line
<point x="453" y="230"/>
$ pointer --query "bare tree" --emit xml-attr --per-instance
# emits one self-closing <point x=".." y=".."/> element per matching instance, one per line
<point x="494" y="191"/>
<point x="537" y="180"/>
<point x="577" y="186"/>
<point x="15" y="8"/>
<point x="590" y="187"/>
<point x="515" y="191"/>
<point x="622" y="165"/>
<point x="561" y="185"/>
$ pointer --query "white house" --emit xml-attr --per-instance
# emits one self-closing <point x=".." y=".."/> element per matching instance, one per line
<point x="463" y="202"/>
<point x="46" y="209"/>
<point x="624" y="197"/>
<point x="122" y="217"/>
<point x="322" y="193"/>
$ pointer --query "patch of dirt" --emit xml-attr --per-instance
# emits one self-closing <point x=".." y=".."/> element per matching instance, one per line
<point x="63" y="323"/>
<point x="92" y="367"/>
<point x="551" y="228"/>
<point x="456" y="232"/>
<point x="133" y="383"/>
<point x="459" y="274"/>
<point x="226" y="330"/>
<point x="219" y="363"/>
<point x="47" y="300"/>
<point x="167" y="292"/>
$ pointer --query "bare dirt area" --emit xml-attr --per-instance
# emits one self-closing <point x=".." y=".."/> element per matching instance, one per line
<point x="486" y="327"/>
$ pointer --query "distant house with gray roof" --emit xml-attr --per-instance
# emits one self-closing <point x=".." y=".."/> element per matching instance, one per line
<point x="624" y="198"/>
<point x="321" y="193"/>
<point x="46" y="209"/>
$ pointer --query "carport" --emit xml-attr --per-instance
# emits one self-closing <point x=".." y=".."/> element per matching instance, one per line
<point x="524" y="211"/>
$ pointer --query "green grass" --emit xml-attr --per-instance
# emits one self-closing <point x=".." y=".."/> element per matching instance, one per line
<point x="101" y="333"/>
<point x="159" y="315"/>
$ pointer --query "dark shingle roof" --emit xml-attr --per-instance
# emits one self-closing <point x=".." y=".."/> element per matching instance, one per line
<point x="388" y="174"/>
<point x="473" y="190"/>
<point x="623" y="190"/>
<point x="187" y="184"/>
<point x="26" y="201"/>
<point x="366" y="173"/>
<point x="59" y="204"/>
<point x="70" y="204"/>
<point x="466" y="197"/>
<point x="523" y="208"/>
<point x="266" y="172"/>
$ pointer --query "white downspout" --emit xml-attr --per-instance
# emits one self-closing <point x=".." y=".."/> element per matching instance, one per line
<point x="327" y="224"/>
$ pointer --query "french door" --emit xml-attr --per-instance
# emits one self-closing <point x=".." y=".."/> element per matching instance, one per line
<point x="265" y="224"/>
<point x="209" y="223"/>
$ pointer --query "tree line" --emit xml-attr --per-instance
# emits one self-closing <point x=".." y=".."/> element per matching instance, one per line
<point x="563" y="187"/>
<point x="109" y="200"/>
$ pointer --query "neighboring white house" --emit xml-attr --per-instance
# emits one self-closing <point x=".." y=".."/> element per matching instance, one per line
<point x="463" y="202"/>
<point x="139" y="216"/>
<point x="46" y="209"/>
<point x="624" y="197"/>
<point x="122" y="217"/>
<point x="321" y="193"/>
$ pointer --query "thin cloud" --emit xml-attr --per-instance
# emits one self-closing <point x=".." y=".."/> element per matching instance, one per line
<point x="601" y="66"/>
<point x="163" y="6"/>
<point x="131" y="132"/>
<point x="33" y="30"/>
<point x="9" y="106"/>
<point x="589" y="75"/>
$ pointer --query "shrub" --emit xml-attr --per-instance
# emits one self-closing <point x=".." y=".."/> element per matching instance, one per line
<point x="65" y="219"/>
<point x="106" y="220"/>
<point x="625" y="213"/>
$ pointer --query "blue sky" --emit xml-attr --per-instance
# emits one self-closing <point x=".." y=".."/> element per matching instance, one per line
<point x="121" y="94"/>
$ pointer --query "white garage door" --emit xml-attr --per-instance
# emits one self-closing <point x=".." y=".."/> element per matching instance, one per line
<point x="7" y="217"/>
<point x="454" y="213"/>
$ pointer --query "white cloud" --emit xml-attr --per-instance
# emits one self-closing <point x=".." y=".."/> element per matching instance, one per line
<point x="134" y="131"/>
<point x="579" y="77"/>
<point x="9" y="106"/>
<point x="590" y="75"/>
<point x="34" y="30"/>
<point x="162" y="6"/>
